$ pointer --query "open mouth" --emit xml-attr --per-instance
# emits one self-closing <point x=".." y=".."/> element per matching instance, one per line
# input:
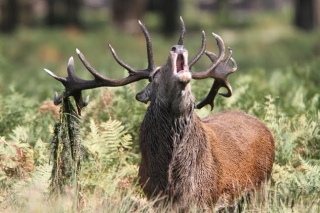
<point x="180" y="68"/>
<point x="180" y="63"/>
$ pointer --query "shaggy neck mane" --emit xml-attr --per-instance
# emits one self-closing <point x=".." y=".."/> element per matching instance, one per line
<point x="174" y="148"/>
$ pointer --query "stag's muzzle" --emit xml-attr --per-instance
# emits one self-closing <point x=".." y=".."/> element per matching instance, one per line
<point x="179" y="63"/>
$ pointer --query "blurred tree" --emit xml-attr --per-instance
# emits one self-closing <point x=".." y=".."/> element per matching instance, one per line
<point x="125" y="14"/>
<point x="170" y="16"/>
<point x="9" y="15"/>
<point x="63" y="12"/>
<point x="307" y="14"/>
<point x="26" y="14"/>
<point x="170" y="10"/>
<point x="223" y="8"/>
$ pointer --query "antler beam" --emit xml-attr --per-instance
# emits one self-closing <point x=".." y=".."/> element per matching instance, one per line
<point x="74" y="85"/>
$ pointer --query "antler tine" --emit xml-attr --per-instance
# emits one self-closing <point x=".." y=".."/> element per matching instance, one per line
<point x="215" y="60"/>
<point x="221" y="73"/>
<point x="123" y="64"/>
<point x="202" y="50"/>
<point x="183" y="31"/>
<point x="234" y="63"/>
<point x="61" y="79"/>
<point x="84" y="61"/>
<point x="100" y="80"/>
<point x="151" y="65"/>
<point x="181" y="39"/>
<point x="219" y="70"/>
<point x="211" y="95"/>
<point x="70" y="90"/>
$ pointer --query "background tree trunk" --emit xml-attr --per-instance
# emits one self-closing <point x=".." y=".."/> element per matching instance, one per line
<point x="169" y="10"/>
<point x="126" y="13"/>
<point x="307" y="14"/>
<point x="316" y="9"/>
<point x="170" y="16"/>
<point x="73" y="10"/>
<point x="63" y="12"/>
<point x="223" y="8"/>
<point x="9" y="17"/>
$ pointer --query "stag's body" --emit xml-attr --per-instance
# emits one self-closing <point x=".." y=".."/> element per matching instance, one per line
<point x="187" y="160"/>
<point x="201" y="162"/>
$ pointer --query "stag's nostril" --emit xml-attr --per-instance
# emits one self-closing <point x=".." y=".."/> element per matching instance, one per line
<point x="178" y="49"/>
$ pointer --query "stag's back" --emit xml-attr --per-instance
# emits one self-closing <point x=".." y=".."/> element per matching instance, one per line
<point x="244" y="149"/>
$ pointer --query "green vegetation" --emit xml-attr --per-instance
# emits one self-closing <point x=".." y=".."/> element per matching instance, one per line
<point x="277" y="80"/>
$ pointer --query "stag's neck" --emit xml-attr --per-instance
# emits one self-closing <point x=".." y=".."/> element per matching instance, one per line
<point x="171" y="126"/>
<point x="171" y="144"/>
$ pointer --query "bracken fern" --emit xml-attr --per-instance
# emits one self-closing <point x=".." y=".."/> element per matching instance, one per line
<point x="111" y="157"/>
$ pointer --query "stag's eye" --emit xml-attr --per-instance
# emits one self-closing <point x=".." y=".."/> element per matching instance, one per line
<point x="153" y="74"/>
<point x="180" y="62"/>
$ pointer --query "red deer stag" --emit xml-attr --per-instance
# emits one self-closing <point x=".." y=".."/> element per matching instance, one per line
<point x="187" y="160"/>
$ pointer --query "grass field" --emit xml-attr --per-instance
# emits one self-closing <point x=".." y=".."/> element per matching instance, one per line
<point x="277" y="80"/>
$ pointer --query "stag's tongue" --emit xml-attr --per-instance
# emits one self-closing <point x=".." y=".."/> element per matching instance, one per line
<point x="180" y="63"/>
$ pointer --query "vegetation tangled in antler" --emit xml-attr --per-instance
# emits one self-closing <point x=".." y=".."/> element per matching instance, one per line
<point x="67" y="149"/>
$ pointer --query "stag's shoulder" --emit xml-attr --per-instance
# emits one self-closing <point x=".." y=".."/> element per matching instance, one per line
<point x="231" y="116"/>
<point x="238" y="130"/>
<point x="236" y="122"/>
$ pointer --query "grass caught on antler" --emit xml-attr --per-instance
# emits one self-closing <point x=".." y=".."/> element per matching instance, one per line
<point x="67" y="149"/>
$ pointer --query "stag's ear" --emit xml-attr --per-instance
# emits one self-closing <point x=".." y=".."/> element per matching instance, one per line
<point x="144" y="95"/>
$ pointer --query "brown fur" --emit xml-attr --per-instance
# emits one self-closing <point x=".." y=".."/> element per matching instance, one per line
<point x="194" y="162"/>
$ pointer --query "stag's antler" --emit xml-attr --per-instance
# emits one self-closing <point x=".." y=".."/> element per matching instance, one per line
<point x="181" y="40"/>
<point x="74" y="85"/>
<point x="219" y="70"/>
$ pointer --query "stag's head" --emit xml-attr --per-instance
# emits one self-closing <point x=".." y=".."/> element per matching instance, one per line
<point x="177" y="65"/>
<point x="169" y="84"/>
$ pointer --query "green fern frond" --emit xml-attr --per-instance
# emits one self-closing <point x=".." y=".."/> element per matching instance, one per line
<point x="303" y="181"/>
<point x="20" y="135"/>
<point x="270" y="107"/>
<point x="108" y="140"/>
<point x="308" y="179"/>
<point x="94" y="135"/>
<point x="110" y="148"/>
<point x="242" y="86"/>
<point x="281" y="127"/>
